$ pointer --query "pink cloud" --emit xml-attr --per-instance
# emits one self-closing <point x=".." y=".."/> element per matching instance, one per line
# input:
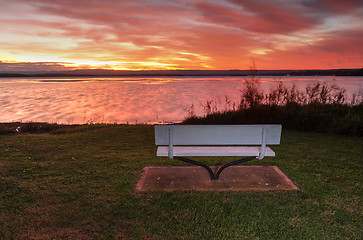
<point x="341" y="49"/>
<point x="31" y="66"/>
<point x="259" y="16"/>
<point x="192" y="34"/>
<point x="333" y="6"/>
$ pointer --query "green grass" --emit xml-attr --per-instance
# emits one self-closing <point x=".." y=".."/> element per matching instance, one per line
<point x="80" y="184"/>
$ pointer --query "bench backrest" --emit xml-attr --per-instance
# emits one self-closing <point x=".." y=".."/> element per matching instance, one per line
<point x="185" y="135"/>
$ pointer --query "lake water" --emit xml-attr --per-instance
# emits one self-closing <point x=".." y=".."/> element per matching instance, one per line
<point x="130" y="99"/>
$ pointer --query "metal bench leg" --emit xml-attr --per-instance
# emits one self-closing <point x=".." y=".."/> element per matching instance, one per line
<point x="199" y="164"/>
<point x="220" y="169"/>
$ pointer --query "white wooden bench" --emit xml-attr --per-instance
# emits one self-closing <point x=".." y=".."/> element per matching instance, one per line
<point x="181" y="141"/>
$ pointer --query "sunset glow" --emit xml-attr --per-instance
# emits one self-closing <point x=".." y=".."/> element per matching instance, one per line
<point x="48" y="35"/>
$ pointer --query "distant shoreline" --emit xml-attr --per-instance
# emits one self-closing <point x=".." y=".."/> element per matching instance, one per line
<point x="184" y="73"/>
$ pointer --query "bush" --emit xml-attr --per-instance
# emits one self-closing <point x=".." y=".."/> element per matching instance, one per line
<point x="320" y="108"/>
<point x="317" y="117"/>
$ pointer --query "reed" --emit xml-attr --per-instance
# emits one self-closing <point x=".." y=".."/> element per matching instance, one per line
<point x="320" y="107"/>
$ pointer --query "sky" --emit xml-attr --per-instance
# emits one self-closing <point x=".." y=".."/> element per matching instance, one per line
<point x="54" y="35"/>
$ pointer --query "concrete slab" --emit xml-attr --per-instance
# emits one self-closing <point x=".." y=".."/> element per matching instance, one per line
<point x="195" y="178"/>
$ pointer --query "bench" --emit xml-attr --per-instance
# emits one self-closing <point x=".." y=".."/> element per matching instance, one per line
<point x="248" y="141"/>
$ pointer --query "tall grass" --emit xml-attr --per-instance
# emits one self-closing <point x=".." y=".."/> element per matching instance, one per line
<point x="321" y="93"/>
<point x="320" y="107"/>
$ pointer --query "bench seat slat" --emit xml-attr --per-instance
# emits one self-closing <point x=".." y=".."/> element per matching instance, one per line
<point x="213" y="151"/>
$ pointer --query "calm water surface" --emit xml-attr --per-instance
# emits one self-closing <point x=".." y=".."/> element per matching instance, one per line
<point x="131" y="99"/>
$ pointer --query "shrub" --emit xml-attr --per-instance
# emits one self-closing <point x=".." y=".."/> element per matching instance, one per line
<point x="321" y="108"/>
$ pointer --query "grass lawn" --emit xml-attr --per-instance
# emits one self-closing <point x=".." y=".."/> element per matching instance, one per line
<point x="80" y="184"/>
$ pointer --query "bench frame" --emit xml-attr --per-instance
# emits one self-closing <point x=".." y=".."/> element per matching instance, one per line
<point x="227" y="138"/>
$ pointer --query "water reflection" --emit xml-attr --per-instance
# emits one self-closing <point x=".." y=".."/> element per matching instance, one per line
<point x="109" y="100"/>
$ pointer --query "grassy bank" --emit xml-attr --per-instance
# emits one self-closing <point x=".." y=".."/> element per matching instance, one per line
<point x="79" y="184"/>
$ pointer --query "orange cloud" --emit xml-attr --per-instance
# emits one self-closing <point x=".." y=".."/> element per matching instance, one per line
<point x="186" y="34"/>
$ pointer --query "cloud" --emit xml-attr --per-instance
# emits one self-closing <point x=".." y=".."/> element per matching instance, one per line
<point x="259" y="16"/>
<point x="333" y="6"/>
<point x="32" y="66"/>
<point x="341" y="48"/>
<point x="217" y="34"/>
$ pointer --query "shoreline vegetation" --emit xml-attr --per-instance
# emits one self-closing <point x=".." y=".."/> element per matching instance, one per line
<point x="320" y="107"/>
